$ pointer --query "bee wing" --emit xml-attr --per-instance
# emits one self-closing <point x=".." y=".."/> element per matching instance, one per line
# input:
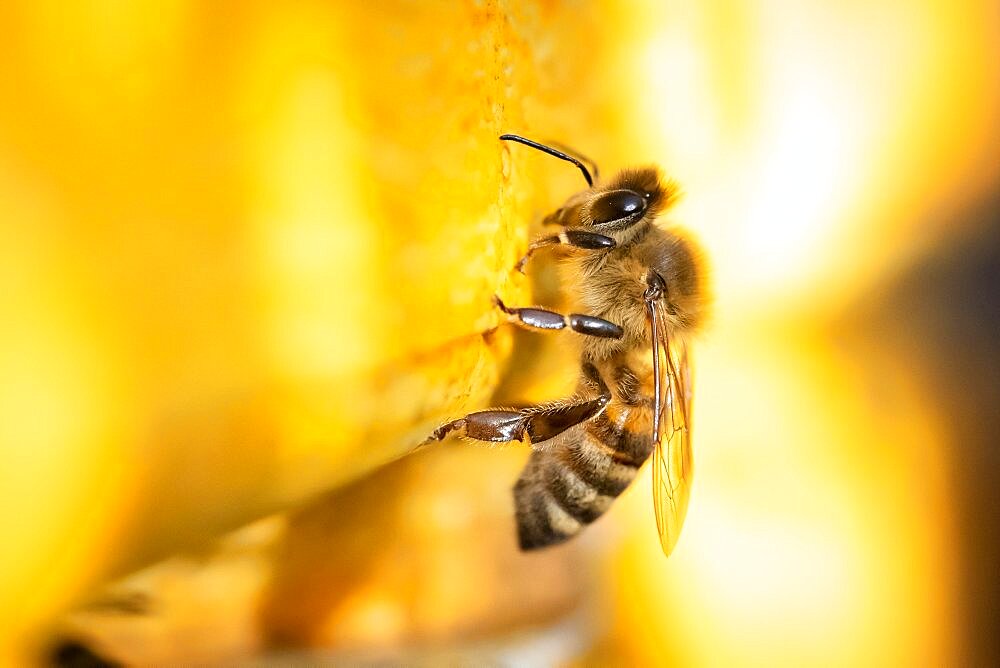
<point x="673" y="467"/>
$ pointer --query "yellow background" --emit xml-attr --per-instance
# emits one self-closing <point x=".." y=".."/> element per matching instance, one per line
<point x="248" y="254"/>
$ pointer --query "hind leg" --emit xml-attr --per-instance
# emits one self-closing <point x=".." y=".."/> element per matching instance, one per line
<point x="536" y="423"/>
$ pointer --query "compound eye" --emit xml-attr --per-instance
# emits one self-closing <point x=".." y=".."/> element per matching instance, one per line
<point x="617" y="205"/>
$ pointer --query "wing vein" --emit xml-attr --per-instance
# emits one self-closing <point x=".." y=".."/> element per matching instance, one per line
<point x="672" y="468"/>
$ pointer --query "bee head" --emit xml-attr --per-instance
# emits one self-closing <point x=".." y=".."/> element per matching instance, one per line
<point x="633" y="195"/>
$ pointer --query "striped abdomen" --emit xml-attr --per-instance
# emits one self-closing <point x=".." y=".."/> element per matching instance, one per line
<point x="572" y="482"/>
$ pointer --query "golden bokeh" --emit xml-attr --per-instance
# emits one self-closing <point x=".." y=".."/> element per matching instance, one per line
<point x="249" y="256"/>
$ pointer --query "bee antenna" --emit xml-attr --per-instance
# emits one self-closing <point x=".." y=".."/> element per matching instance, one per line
<point x="553" y="152"/>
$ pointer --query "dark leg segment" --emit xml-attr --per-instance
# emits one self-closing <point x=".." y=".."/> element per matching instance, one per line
<point x="537" y="423"/>
<point x="541" y="319"/>
<point x="583" y="239"/>
<point x="591" y="326"/>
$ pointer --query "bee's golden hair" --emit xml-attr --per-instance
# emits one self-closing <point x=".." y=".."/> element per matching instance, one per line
<point x="611" y="285"/>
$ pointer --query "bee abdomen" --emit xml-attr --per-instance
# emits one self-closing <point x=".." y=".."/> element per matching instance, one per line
<point x="541" y="520"/>
<point x="563" y="489"/>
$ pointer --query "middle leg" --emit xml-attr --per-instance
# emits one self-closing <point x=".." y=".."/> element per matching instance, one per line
<point x="539" y="319"/>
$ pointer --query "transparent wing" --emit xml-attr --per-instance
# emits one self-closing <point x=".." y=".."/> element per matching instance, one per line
<point x="672" y="464"/>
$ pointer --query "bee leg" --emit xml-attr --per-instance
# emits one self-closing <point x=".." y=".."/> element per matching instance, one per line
<point x="557" y="217"/>
<point x="538" y="319"/>
<point x="536" y="423"/>
<point x="583" y="239"/>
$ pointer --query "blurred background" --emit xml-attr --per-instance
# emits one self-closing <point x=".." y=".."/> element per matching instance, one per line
<point x="248" y="257"/>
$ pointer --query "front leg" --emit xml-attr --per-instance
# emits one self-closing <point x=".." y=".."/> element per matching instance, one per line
<point x="539" y="319"/>
<point x="575" y="238"/>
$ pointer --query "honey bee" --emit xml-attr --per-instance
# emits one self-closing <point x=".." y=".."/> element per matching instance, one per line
<point x="640" y="292"/>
